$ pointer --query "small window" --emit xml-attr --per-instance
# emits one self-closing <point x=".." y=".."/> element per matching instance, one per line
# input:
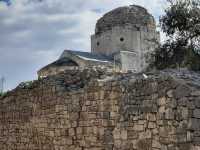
<point x="121" y="39"/>
<point x="98" y="43"/>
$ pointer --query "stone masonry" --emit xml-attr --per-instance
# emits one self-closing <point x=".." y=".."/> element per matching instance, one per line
<point x="124" y="40"/>
<point x="98" y="110"/>
<point x="129" y="35"/>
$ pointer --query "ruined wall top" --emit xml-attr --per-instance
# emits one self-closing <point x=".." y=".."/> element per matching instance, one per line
<point x="100" y="110"/>
<point x="132" y="15"/>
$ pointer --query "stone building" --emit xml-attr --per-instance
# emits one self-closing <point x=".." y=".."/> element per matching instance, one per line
<point x="124" y="40"/>
<point x="74" y="60"/>
<point x="128" y="34"/>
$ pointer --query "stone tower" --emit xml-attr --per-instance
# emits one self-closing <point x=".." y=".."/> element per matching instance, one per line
<point x="128" y="35"/>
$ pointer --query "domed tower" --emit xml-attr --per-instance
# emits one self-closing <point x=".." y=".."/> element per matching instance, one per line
<point x="128" y="35"/>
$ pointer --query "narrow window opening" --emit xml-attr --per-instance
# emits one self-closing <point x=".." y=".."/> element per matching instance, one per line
<point x="121" y="39"/>
<point x="98" y="43"/>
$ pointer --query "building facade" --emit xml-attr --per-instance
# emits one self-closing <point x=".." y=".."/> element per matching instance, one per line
<point x="124" y="40"/>
<point x="129" y="35"/>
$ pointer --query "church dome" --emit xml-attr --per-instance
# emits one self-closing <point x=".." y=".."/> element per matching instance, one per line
<point x="128" y="15"/>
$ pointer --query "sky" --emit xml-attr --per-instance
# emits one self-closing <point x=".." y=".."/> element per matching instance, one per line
<point x="34" y="33"/>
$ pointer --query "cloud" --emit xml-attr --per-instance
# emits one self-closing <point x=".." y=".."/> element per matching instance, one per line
<point x="34" y="33"/>
<point x="7" y="2"/>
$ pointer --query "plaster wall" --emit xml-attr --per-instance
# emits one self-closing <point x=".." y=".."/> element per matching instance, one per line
<point x="127" y="38"/>
<point x="130" y="61"/>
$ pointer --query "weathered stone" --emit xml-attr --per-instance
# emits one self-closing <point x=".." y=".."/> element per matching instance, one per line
<point x="132" y="134"/>
<point x="161" y="109"/>
<point x="151" y="117"/>
<point x="185" y="113"/>
<point x="145" y="135"/>
<point x="192" y="105"/>
<point x="162" y="101"/>
<point x="182" y="101"/>
<point x="124" y="134"/>
<point x="194" y="124"/>
<point x="108" y="137"/>
<point x="138" y="127"/>
<point x="196" y="113"/>
<point x="156" y="144"/>
<point x="116" y="133"/>
<point x="80" y="119"/>
<point x="169" y="114"/>
<point x="71" y="132"/>
<point x="197" y="102"/>
<point x="195" y="93"/>
<point x="170" y="93"/>
<point x="151" y="125"/>
<point x="181" y="91"/>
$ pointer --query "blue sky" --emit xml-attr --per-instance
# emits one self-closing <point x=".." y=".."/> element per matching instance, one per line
<point x="34" y="33"/>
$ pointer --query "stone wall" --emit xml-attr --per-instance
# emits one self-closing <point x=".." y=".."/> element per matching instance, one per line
<point x="97" y="110"/>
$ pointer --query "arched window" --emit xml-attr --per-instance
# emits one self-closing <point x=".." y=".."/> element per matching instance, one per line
<point x="98" y="43"/>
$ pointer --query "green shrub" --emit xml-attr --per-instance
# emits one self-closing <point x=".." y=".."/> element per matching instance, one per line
<point x="181" y="25"/>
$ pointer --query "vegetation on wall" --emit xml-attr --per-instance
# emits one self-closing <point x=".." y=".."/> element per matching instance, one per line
<point x="181" y="24"/>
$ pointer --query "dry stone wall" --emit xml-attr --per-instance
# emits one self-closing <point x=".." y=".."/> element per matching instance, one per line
<point x="95" y="110"/>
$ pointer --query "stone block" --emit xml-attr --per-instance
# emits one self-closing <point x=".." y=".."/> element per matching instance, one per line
<point x="195" y="93"/>
<point x="106" y="115"/>
<point x="162" y="101"/>
<point x="182" y="101"/>
<point x="156" y="144"/>
<point x="189" y="136"/>
<point x="192" y="104"/>
<point x="194" y="124"/>
<point x="196" y="113"/>
<point x="108" y="137"/>
<point x="161" y="109"/>
<point x="151" y="125"/>
<point x="66" y="141"/>
<point x="197" y="102"/>
<point x="138" y="127"/>
<point x="124" y="134"/>
<point x="151" y="117"/>
<point x="145" y="135"/>
<point x="155" y="131"/>
<point x="185" y="113"/>
<point x="116" y="133"/>
<point x="181" y="91"/>
<point x="74" y="116"/>
<point x="142" y="122"/>
<point x="79" y="130"/>
<point x="71" y="132"/>
<point x="169" y="114"/>
<point x="132" y="134"/>
<point x="170" y="93"/>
